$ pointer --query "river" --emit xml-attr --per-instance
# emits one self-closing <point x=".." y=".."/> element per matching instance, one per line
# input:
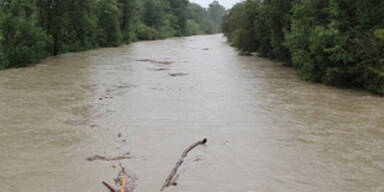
<point x="267" y="130"/>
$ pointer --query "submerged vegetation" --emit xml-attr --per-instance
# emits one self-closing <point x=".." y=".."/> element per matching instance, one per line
<point x="336" y="42"/>
<point x="33" y="29"/>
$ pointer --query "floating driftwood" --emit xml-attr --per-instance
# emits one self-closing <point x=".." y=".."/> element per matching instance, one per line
<point x="171" y="179"/>
<point x="103" y="158"/>
<point x="177" y="74"/>
<point x="157" y="69"/>
<point x="127" y="182"/>
<point x="155" y="61"/>
<point x="124" y="182"/>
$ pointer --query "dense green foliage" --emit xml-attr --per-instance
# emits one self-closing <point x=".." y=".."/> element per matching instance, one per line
<point x="21" y="41"/>
<point x="337" y="42"/>
<point x="33" y="29"/>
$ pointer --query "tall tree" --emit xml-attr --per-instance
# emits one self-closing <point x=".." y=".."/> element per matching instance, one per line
<point x="21" y="41"/>
<point x="128" y="10"/>
<point x="216" y="13"/>
<point x="153" y="13"/>
<point x="179" y="9"/>
<point x="109" y="24"/>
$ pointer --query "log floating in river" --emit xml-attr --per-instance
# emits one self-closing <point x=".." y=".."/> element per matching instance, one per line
<point x="170" y="179"/>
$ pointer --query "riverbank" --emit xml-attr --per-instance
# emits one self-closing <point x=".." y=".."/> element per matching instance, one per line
<point x="34" y="61"/>
<point x="334" y="43"/>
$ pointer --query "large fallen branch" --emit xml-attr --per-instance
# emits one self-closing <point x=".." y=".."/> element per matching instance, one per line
<point x="127" y="182"/>
<point x="170" y="179"/>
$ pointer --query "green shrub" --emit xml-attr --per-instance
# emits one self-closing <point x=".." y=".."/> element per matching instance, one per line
<point x="337" y="42"/>
<point x="3" y="60"/>
<point x="166" y="30"/>
<point x="22" y="41"/>
<point x="379" y="34"/>
<point x="375" y="82"/>
<point x="192" y="28"/>
<point x="239" y="26"/>
<point x="143" y="32"/>
<point x="25" y="43"/>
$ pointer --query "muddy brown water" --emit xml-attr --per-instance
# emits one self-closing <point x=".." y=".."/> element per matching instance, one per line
<point x="267" y="130"/>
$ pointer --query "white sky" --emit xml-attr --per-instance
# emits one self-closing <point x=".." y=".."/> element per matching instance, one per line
<point x="226" y="3"/>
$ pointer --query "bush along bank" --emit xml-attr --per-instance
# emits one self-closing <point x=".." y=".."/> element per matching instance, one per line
<point x="336" y="42"/>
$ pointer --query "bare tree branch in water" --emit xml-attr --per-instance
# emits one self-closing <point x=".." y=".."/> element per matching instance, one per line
<point x="170" y="179"/>
<point x="109" y="187"/>
<point x="129" y="185"/>
<point x="125" y="182"/>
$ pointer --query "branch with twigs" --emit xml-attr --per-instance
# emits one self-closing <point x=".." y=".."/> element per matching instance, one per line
<point x="171" y="178"/>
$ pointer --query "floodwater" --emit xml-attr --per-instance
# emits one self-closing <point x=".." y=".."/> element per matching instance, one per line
<point x="267" y="130"/>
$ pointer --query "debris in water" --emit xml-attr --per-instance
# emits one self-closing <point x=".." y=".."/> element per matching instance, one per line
<point x="95" y="126"/>
<point x="103" y="158"/>
<point x="116" y="90"/>
<point x="125" y="182"/>
<point x="155" y="62"/>
<point x="171" y="179"/>
<point x="177" y="74"/>
<point x="197" y="159"/>
<point x="157" y="69"/>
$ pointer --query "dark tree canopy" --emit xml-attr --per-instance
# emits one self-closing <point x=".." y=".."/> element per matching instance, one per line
<point x="33" y="29"/>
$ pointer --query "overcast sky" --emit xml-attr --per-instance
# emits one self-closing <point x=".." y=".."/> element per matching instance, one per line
<point x="226" y="3"/>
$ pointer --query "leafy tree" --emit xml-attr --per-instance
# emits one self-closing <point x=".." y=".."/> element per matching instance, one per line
<point x="153" y="13"/>
<point x="3" y="59"/>
<point x="192" y="28"/>
<point x="201" y="17"/>
<point x="22" y="41"/>
<point x="216" y="13"/>
<point x="109" y="33"/>
<point x="166" y="29"/>
<point x="337" y="42"/>
<point x="277" y="16"/>
<point x="239" y="26"/>
<point x="82" y="24"/>
<point x="72" y="29"/>
<point x="128" y="9"/>
<point x="33" y="29"/>
<point x="179" y="9"/>
<point x="196" y="13"/>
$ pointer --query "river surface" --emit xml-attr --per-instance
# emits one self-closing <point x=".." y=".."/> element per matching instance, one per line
<point x="267" y="130"/>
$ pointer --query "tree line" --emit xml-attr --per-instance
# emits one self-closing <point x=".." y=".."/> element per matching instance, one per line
<point x="33" y="29"/>
<point x="336" y="42"/>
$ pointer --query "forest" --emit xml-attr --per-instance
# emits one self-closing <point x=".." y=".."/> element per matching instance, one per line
<point x="335" y="42"/>
<point x="34" y="29"/>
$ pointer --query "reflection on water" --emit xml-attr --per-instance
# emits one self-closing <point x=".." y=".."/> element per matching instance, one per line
<point x="267" y="129"/>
